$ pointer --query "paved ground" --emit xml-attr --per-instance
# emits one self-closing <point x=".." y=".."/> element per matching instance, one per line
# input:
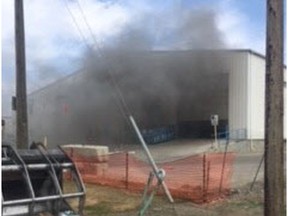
<point x="245" y="166"/>
<point x="176" y="149"/>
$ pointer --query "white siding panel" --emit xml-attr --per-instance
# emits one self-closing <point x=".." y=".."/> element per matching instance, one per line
<point x="256" y="97"/>
<point x="238" y="95"/>
<point x="285" y="104"/>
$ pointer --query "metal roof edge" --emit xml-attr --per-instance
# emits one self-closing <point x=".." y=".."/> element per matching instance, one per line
<point x="154" y="51"/>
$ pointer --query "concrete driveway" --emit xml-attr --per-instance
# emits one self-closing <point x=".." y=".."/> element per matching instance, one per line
<point x="245" y="165"/>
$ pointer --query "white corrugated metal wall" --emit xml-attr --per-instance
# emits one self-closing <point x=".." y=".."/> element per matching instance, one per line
<point x="256" y="97"/>
<point x="285" y="103"/>
<point x="238" y="92"/>
<point x="247" y="96"/>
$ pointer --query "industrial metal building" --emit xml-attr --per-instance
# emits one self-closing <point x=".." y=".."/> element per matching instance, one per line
<point x="170" y="91"/>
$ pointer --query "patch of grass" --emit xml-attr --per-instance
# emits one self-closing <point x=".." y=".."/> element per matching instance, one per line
<point x="246" y="204"/>
<point x="102" y="209"/>
<point x="109" y="200"/>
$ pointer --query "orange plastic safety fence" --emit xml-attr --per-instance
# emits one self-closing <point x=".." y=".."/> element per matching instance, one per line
<point x="200" y="178"/>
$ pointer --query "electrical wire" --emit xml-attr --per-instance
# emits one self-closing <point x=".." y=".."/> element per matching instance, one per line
<point x="114" y="83"/>
<point x="76" y="24"/>
<point x="122" y="105"/>
<point x="87" y="24"/>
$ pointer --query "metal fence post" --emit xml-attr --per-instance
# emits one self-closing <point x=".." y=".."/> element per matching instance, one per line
<point x="208" y="177"/>
<point x="204" y="178"/>
<point x="127" y="171"/>
<point x="223" y="167"/>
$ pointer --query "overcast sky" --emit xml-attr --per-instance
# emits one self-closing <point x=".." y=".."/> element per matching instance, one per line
<point x="54" y="45"/>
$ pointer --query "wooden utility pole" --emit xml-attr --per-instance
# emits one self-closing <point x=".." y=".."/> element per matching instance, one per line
<point x="274" y="141"/>
<point x="21" y="100"/>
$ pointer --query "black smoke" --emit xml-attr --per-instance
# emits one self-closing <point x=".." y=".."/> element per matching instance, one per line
<point x="168" y="68"/>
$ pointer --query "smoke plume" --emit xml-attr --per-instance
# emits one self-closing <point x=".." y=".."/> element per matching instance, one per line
<point x="168" y="68"/>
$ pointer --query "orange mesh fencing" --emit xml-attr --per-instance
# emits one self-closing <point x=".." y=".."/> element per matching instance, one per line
<point x="199" y="178"/>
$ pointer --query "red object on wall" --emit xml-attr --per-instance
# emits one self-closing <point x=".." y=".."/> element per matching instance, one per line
<point x="65" y="108"/>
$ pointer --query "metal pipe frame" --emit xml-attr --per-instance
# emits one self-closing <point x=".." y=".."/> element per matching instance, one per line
<point x="150" y="158"/>
<point x="79" y="182"/>
<point x="34" y="167"/>
<point x="53" y="166"/>
<point x="25" y="175"/>
<point x="41" y="199"/>
<point x="53" y="175"/>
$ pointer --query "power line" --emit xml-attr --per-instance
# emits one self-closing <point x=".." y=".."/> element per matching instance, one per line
<point x="121" y="104"/>
<point x="128" y="112"/>
<point x="76" y="24"/>
<point x="87" y="24"/>
<point x="110" y="69"/>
